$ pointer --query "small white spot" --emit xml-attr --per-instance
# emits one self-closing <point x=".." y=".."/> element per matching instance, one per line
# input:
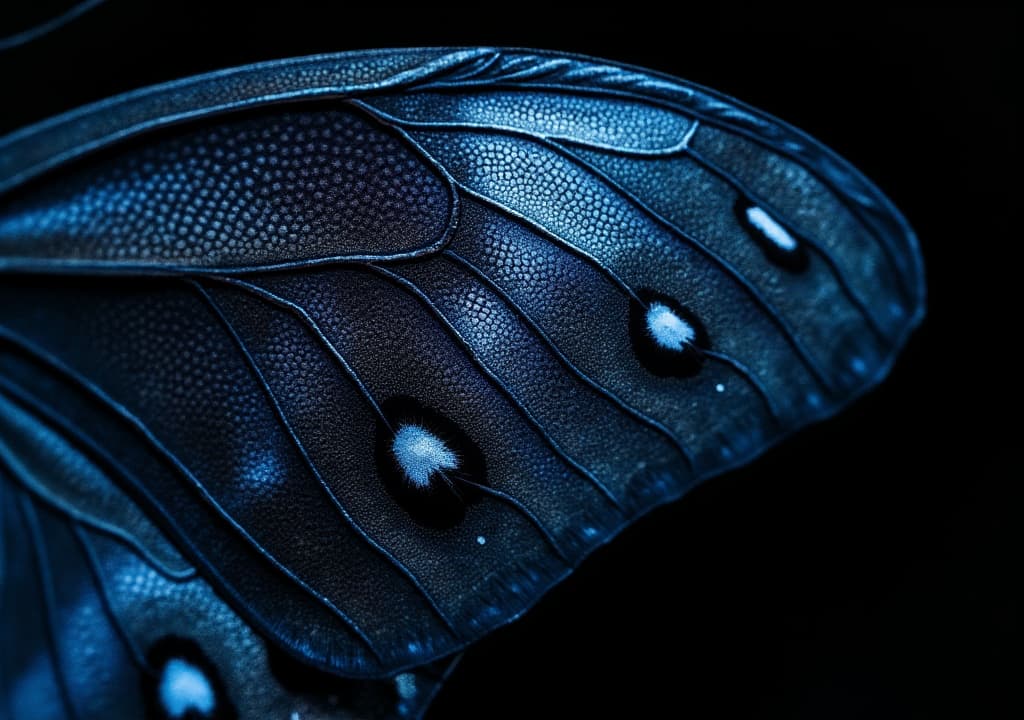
<point x="481" y="540"/>
<point x="421" y="454"/>
<point x="295" y="715"/>
<point x="668" y="329"/>
<point x="771" y="229"/>
<point x="720" y="387"/>
<point x="405" y="683"/>
<point x="183" y="688"/>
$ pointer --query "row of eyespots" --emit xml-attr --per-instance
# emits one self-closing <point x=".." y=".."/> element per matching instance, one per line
<point x="431" y="467"/>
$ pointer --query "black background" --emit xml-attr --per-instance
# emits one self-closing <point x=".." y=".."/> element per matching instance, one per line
<point x="869" y="567"/>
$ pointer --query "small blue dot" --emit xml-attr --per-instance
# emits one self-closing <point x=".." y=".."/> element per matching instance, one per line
<point x="720" y="387"/>
<point x="481" y="540"/>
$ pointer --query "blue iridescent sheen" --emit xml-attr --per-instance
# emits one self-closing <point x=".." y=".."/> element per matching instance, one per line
<point x="222" y="298"/>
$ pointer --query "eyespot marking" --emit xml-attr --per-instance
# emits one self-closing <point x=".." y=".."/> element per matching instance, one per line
<point x="777" y="243"/>
<point x="184" y="683"/>
<point x="771" y="229"/>
<point x="427" y="462"/>
<point x="668" y="338"/>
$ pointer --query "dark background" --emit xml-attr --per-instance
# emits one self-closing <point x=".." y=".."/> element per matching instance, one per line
<point x="872" y="565"/>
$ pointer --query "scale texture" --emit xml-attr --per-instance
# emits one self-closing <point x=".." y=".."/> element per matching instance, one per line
<point x="330" y="366"/>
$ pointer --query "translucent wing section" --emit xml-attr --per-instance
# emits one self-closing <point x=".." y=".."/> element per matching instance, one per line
<point x="430" y="332"/>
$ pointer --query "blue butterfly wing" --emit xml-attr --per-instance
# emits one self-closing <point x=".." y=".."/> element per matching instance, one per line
<point x="593" y="285"/>
<point x="97" y="603"/>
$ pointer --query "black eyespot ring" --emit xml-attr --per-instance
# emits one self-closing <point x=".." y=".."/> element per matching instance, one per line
<point x="687" y="360"/>
<point x="173" y="647"/>
<point x="442" y="502"/>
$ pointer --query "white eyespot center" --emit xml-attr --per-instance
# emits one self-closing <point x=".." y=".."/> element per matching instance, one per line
<point x="481" y="540"/>
<point x="420" y="453"/>
<point x="771" y="229"/>
<point x="720" y="387"/>
<point x="668" y="329"/>
<point x="183" y="688"/>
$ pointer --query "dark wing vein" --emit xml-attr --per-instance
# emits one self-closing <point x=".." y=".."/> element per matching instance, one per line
<point x="747" y="374"/>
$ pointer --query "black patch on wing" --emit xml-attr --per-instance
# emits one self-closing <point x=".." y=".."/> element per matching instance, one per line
<point x="443" y="503"/>
<point x="662" y="361"/>
<point x="172" y="647"/>
<point x="794" y="260"/>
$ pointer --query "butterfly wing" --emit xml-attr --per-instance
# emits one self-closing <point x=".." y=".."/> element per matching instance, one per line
<point x="386" y="343"/>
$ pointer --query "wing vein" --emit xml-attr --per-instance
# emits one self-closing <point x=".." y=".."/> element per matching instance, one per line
<point x="748" y="375"/>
